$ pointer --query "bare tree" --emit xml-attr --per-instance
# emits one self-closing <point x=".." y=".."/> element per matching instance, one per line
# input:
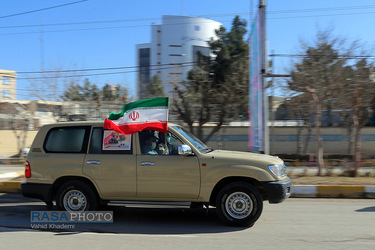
<point x="358" y="96"/>
<point x="20" y="130"/>
<point x="318" y="73"/>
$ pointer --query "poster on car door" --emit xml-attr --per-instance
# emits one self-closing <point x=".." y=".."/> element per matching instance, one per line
<point x="116" y="141"/>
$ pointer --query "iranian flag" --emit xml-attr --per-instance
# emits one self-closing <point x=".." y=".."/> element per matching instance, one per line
<point x="140" y="115"/>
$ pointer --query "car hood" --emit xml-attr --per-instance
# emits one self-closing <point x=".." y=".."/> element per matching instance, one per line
<point x="238" y="157"/>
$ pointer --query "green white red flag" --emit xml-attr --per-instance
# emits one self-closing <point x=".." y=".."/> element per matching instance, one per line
<point x="149" y="114"/>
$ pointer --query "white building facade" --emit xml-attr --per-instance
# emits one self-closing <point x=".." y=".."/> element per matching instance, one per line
<point x="173" y="50"/>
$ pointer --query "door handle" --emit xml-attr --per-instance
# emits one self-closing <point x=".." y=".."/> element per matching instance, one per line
<point x="147" y="163"/>
<point x="93" y="162"/>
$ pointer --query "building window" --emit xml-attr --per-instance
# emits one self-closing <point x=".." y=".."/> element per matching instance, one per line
<point x="144" y="67"/>
<point x="6" y="94"/>
<point x="6" y="81"/>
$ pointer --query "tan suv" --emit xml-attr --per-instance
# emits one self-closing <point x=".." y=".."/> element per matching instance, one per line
<point x="80" y="165"/>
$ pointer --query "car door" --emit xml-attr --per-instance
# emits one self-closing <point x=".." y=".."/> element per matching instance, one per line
<point x="110" y="163"/>
<point x="167" y="176"/>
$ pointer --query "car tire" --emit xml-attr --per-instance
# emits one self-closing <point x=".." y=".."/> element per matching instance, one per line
<point x="239" y="204"/>
<point x="76" y="196"/>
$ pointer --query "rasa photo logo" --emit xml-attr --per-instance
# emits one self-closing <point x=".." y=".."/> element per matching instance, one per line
<point x="67" y="220"/>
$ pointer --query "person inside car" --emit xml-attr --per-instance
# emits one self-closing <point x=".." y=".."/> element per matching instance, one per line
<point x="165" y="148"/>
<point x="149" y="144"/>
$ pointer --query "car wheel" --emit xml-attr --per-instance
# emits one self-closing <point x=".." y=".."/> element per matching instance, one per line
<point x="76" y="196"/>
<point x="239" y="204"/>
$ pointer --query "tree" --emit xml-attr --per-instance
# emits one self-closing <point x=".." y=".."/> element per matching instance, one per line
<point x="297" y="108"/>
<point x="19" y="120"/>
<point x="358" y="95"/>
<point x="76" y="92"/>
<point x="217" y="88"/>
<point x="155" y="88"/>
<point x="230" y="67"/>
<point x="318" y="74"/>
<point x="334" y="77"/>
<point x="199" y="102"/>
<point x="111" y="92"/>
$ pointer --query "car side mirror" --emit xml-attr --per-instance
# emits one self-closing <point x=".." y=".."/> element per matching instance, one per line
<point x="184" y="150"/>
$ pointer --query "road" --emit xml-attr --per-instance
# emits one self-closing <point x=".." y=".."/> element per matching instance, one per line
<point x="294" y="224"/>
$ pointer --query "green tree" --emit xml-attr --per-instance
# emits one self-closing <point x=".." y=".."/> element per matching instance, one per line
<point x="155" y="88"/>
<point x="111" y="92"/>
<point x="77" y="92"/>
<point x="217" y="88"/>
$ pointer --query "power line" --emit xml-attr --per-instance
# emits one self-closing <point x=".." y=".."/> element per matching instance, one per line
<point x="338" y="14"/>
<point x="80" y="23"/>
<point x="203" y="15"/>
<point x="339" y="57"/>
<point x="108" y="73"/>
<point x="48" y="8"/>
<point x="323" y="9"/>
<point x="54" y="31"/>
<point x="155" y="67"/>
<point x="104" y="68"/>
<point x="102" y="28"/>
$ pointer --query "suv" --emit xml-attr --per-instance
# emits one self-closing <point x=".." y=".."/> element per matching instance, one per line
<point x="80" y="165"/>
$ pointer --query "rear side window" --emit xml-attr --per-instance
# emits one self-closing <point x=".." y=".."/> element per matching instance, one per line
<point x="67" y="140"/>
<point x="97" y="143"/>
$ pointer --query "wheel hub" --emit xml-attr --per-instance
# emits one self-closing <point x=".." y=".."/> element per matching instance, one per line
<point x="74" y="200"/>
<point x="239" y="205"/>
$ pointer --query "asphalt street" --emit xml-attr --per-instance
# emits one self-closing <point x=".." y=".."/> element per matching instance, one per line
<point x="294" y="224"/>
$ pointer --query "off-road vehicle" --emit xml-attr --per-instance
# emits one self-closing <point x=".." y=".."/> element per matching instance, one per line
<point x="76" y="165"/>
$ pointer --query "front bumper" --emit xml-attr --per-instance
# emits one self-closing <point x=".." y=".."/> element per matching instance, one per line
<point x="277" y="191"/>
<point x="37" y="191"/>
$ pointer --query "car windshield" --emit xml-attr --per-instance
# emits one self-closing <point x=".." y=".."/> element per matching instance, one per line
<point x="203" y="148"/>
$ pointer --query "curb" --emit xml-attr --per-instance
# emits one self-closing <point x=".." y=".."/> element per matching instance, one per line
<point x="317" y="191"/>
<point x="10" y="187"/>
<point x="300" y="191"/>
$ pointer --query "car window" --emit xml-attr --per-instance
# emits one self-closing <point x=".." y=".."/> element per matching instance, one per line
<point x="193" y="139"/>
<point x="157" y="143"/>
<point x="67" y="140"/>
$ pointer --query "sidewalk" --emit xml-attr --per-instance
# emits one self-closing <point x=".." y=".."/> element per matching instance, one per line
<point x="10" y="184"/>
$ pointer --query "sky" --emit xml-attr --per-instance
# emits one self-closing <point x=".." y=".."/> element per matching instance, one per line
<point x="100" y="34"/>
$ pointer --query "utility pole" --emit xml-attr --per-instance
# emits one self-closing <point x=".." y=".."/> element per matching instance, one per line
<point x="263" y="53"/>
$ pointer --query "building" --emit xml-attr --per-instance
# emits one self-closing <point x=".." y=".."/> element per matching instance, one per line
<point x="173" y="49"/>
<point x="7" y="84"/>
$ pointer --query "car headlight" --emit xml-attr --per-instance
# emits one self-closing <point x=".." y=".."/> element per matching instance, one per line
<point x="278" y="171"/>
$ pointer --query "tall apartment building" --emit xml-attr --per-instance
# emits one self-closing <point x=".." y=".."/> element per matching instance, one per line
<point x="7" y="85"/>
<point x="172" y="50"/>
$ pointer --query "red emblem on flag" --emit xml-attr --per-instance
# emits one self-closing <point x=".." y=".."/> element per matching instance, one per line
<point x="134" y="115"/>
